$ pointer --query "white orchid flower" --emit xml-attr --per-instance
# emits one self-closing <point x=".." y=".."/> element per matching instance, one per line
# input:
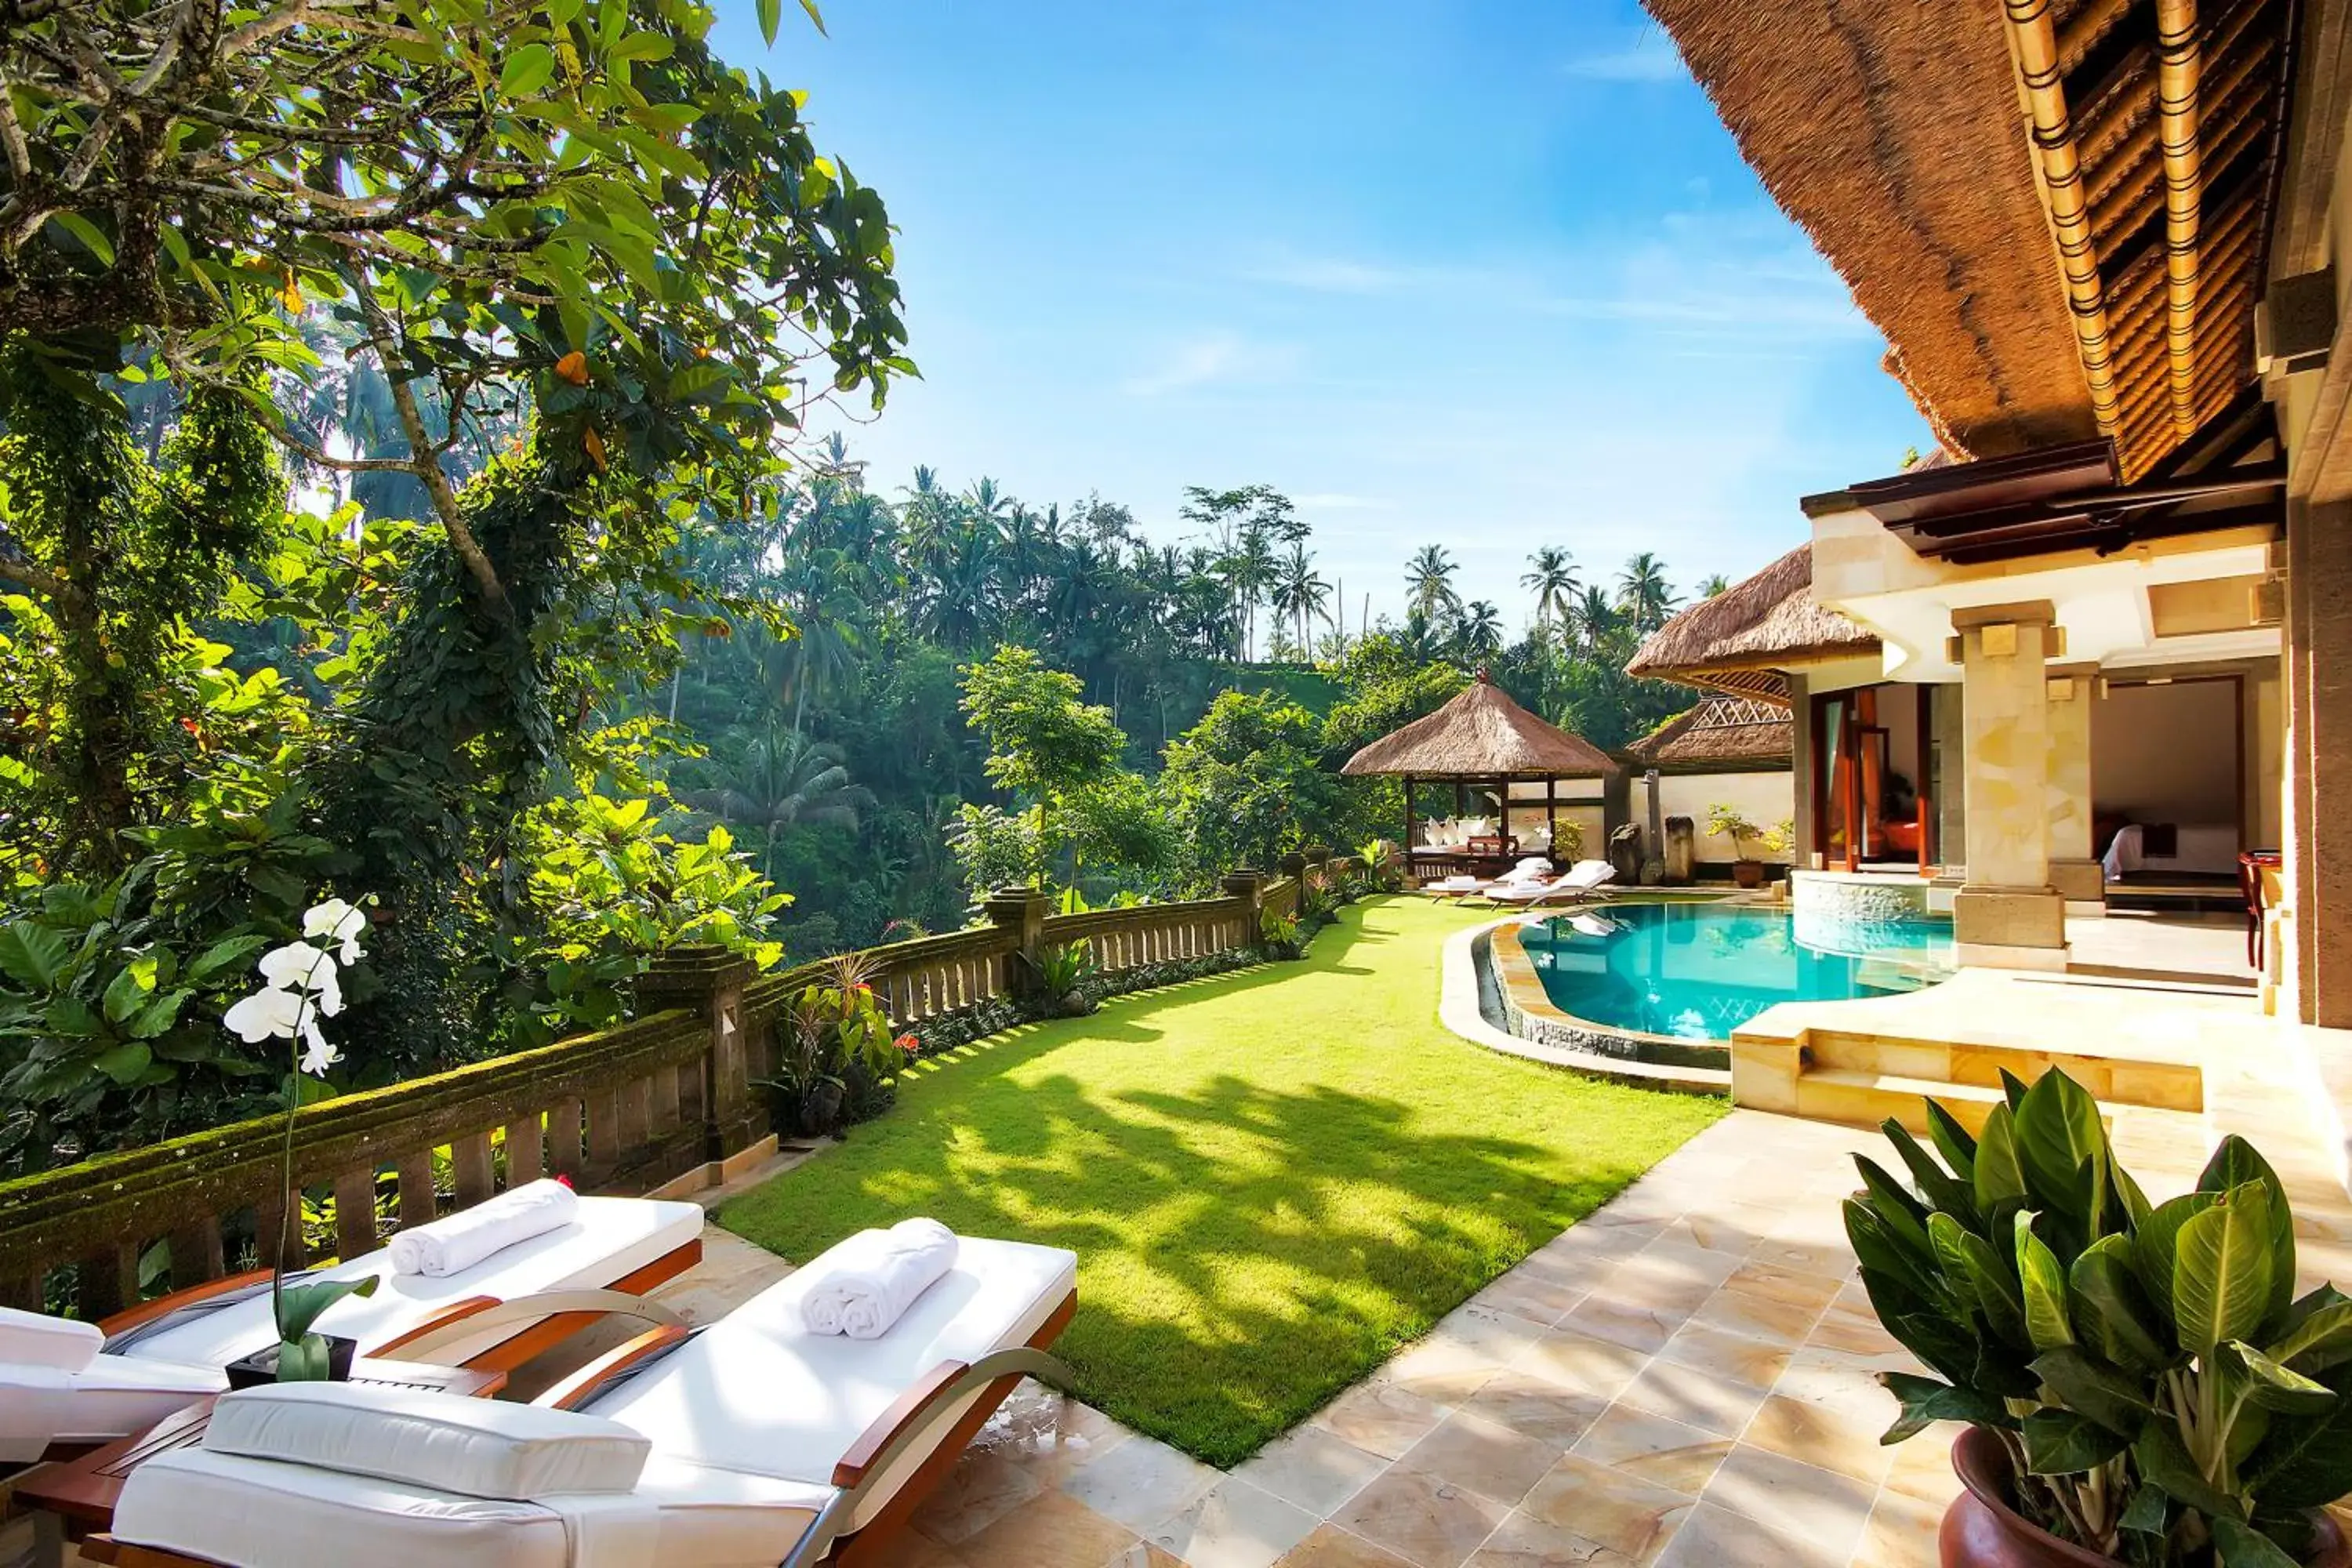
<point x="317" y="1055"/>
<point x="268" y="1013"/>
<point x="298" y="966"/>
<point x="337" y="920"/>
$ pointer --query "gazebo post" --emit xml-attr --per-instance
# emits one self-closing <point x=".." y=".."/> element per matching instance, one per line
<point x="1408" y="824"/>
<point x="1551" y="819"/>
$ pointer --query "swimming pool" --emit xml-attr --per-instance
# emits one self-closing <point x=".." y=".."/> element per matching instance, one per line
<point x="1699" y="970"/>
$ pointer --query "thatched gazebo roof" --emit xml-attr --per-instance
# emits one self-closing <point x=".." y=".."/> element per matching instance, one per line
<point x="1722" y="734"/>
<point x="1482" y="734"/>
<point x="1739" y="640"/>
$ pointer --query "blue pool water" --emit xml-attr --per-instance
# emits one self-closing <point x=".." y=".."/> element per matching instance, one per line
<point x="1700" y="971"/>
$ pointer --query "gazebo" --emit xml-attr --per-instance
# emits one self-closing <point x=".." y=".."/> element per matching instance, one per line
<point x="1481" y="740"/>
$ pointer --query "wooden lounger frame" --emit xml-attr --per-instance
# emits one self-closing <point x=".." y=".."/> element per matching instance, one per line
<point x="505" y="1356"/>
<point x="889" y="1436"/>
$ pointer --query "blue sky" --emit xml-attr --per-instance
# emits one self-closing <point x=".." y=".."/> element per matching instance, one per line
<point x="1487" y="274"/>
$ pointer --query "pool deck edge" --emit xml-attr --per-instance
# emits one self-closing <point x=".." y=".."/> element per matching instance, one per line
<point x="1459" y="1012"/>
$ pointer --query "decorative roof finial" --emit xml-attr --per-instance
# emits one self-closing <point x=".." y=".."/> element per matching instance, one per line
<point x="1484" y="677"/>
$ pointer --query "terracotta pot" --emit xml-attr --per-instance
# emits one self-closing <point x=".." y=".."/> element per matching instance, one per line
<point x="1982" y="1530"/>
<point x="1747" y="873"/>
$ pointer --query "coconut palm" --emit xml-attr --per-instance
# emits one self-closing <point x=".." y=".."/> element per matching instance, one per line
<point x="1643" y="593"/>
<point x="1711" y="585"/>
<point x="1595" y="616"/>
<point x="1429" y="583"/>
<point x="783" y="780"/>
<point x="1478" y="631"/>
<point x="1299" y="593"/>
<point x="1551" y="578"/>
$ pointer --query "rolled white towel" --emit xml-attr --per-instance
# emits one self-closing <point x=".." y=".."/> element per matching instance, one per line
<point x="868" y="1282"/>
<point x="453" y="1245"/>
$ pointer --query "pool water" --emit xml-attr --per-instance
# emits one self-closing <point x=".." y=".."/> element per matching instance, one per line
<point x="1700" y="971"/>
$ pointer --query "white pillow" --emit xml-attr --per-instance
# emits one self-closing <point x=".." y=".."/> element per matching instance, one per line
<point x="475" y="1447"/>
<point x="36" y="1339"/>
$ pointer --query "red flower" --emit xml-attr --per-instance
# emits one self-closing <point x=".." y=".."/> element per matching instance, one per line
<point x="908" y="1044"/>
<point x="562" y="1178"/>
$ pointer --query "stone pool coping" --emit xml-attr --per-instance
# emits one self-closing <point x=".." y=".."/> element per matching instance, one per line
<point x="1459" y="1011"/>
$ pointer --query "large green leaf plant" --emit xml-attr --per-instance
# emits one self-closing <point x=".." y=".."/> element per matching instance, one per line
<point x="2165" y="1394"/>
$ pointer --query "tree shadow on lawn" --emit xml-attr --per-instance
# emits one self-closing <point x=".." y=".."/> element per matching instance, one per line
<point x="1246" y="1251"/>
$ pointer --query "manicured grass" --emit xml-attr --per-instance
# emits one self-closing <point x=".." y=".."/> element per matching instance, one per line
<point x="1272" y="1178"/>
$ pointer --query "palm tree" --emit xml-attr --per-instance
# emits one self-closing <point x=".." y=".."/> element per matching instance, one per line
<point x="1299" y="593"/>
<point x="1478" y="632"/>
<point x="784" y="780"/>
<point x="1595" y="616"/>
<point x="1643" y="593"/>
<point x="1712" y="584"/>
<point x="1551" y="577"/>
<point x="1429" y="580"/>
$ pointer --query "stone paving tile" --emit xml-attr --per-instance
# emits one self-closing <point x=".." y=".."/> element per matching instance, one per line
<point x="1331" y="1547"/>
<point x="1483" y="1455"/>
<point x="1234" y="1525"/>
<point x="1429" y="1522"/>
<point x="1140" y="1483"/>
<point x="1312" y="1467"/>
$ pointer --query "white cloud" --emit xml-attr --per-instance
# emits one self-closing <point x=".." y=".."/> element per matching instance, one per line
<point x="1212" y="358"/>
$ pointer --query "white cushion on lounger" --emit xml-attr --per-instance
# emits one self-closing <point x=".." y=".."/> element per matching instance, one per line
<point x="753" y="1393"/>
<point x="482" y="1447"/>
<point x="112" y="1397"/>
<point x="266" y="1513"/>
<point x="36" y="1339"/>
<point x="609" y="1239"/>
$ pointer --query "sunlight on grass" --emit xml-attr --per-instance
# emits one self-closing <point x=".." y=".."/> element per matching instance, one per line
<point x="1272" y="1179"/>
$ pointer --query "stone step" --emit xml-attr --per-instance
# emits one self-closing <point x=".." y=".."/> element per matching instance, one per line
<point x="1863" y="1099"/>
<point x="2112" y="1077"/>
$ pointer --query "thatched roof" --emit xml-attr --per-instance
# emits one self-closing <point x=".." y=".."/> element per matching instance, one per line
<point x="1991" y="181"/>
<point x="1731" y="733"/>
<point x="1769" y="622"/>
<point x="1482" y="734"/>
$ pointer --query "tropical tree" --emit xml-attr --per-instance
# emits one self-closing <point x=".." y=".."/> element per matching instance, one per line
<point x="1478" y="631"/>
<point x="1429" y="583"/>
<point x="1642" y="593"/>
<point x="783" y="780"/>
<point x="1711" y="585"/>
<point x="1596" y="617"/>
<point x="1299" y="592"/>
<point x="1551" y="578"/>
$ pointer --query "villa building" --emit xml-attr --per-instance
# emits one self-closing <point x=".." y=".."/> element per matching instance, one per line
<point x="2111" y="617"/>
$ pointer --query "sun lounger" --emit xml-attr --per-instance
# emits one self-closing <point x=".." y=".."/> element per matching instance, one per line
<point x="1582" y="880"/>
<point x="758" y="1443"/>
<point x="139" y="1365"/>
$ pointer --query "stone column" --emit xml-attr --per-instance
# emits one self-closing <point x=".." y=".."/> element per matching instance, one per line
<point x="2317" y="818"/>
<point x="710" y="980"/>
<point x="1020" y="911"/>
<point x="2079" y="878"/>
<point x="1248" y="885"/>
<point x="2007" y="914"/>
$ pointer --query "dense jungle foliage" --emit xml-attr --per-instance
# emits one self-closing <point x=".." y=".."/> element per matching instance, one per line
<point x="443" y="533"/>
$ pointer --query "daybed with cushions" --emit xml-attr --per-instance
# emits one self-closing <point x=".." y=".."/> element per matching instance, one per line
<point x="65" y="1384"/>
<point x="750" y="1442"/>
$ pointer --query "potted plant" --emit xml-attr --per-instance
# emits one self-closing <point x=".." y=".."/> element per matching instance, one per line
<point x="301" y="983"/>
<point x="1726" y="822"/>
<point x="2140" y="1381"/>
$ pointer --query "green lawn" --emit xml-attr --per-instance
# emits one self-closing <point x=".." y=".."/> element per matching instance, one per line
<point x="1272" y="1178"/>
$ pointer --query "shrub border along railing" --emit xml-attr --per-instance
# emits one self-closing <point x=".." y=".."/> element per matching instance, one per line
<point x="631" y="1108"/>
